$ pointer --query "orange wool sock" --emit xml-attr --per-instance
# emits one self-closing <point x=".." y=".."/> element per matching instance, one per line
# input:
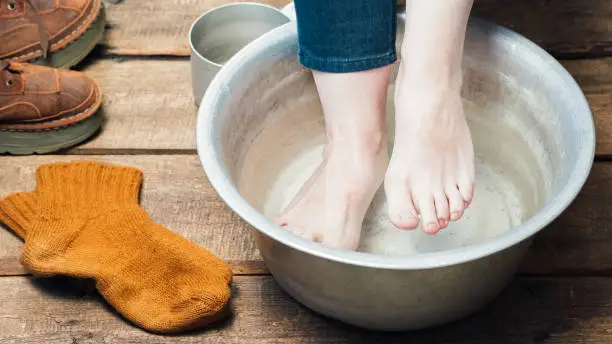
<point x="17" y="211"/>
<point x="84" y="221"/>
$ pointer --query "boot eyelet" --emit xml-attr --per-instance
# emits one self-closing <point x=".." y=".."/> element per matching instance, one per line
<point x="9" y="83"/>
<point x="11" y="5"/>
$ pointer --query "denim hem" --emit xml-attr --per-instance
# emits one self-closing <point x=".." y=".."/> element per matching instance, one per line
<point x="347" y="65"/>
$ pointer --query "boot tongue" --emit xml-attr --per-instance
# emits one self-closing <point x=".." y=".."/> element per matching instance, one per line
<point x="42" y="33"/>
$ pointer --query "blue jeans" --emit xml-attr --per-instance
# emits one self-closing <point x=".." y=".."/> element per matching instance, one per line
<point x="340" y="36"/>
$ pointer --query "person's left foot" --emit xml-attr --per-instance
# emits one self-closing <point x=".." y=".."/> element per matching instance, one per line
<point x="431" y="172"/>
<point x="331" y="206"/>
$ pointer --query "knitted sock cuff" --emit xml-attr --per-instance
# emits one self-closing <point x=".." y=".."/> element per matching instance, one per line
<point x="17" y="211"/>
<point x="85" y="187"/>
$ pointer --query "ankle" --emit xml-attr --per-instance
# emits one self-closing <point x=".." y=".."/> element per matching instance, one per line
<point x="430" y="78"/>
<point x="357" y="145"/>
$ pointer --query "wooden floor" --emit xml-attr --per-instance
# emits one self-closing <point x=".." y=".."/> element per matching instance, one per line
<point x="563" y="294"/>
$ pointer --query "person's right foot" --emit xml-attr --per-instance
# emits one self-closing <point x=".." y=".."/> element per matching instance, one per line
<point x="44" y="109"/>
<point x="52" y="33"/>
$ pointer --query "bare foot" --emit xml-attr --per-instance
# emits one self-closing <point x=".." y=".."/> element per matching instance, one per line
<point x="331" y="206"/>
<point x="431" y="173"/>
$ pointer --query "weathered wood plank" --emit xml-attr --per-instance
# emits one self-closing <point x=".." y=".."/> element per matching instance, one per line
<point x="177" y="194"/>
<point x="579" y="241"/>
<point x="552" y="311"/>
<point x="564" y="27"/>
<point x="595" y="79"/>
<point x="162" y="26"/>
<point x="149" y="106"/>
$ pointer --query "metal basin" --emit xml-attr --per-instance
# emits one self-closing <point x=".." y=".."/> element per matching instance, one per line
<point x="260" y="125"/>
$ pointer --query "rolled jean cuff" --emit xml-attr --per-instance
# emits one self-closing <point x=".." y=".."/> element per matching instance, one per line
<point x="343" y="36"/>
<point x="346" y="65"/>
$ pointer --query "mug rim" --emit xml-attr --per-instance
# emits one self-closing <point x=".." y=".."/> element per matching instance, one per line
<point x="219" y="8"/>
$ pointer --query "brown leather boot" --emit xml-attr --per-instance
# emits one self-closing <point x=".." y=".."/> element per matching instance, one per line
<point x="44" y="109"/>
<point x="56" y="33"/>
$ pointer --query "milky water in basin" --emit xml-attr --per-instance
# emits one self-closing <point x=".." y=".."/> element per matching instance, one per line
<point x="513" y="161"/>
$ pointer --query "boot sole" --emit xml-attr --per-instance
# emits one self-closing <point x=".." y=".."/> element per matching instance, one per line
<point x="77" y="50"/>
<point x="46" y="141"/>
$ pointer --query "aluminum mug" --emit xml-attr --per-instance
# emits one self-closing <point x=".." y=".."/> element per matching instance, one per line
<point x="221" y="32"/>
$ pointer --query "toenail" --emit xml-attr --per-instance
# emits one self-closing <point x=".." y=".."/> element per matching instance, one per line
<point x="456" y="214"/>
<point x="408" y="216"/>
<point x="432" y="227"/>
<point x="317" y="238"/>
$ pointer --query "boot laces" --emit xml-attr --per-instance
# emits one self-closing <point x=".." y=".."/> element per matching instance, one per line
<point x="40" y="26"/>
<point x="42" y="32"/>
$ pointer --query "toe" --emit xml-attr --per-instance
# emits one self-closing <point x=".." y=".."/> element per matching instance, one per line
<point x="456" y="203"/>
<point x="405" y="220"/>
<point x="317" y="237"/>
<point x="466" y="185"/>
<point x="467" y="192"/>
<point x="284" y="223"/>
<point x="281" y="222"/>
<point x="402" y="211"/>
<point x="428" y="215"/>
<point x="77" y="90"/>
<point x="442" y="209"/>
